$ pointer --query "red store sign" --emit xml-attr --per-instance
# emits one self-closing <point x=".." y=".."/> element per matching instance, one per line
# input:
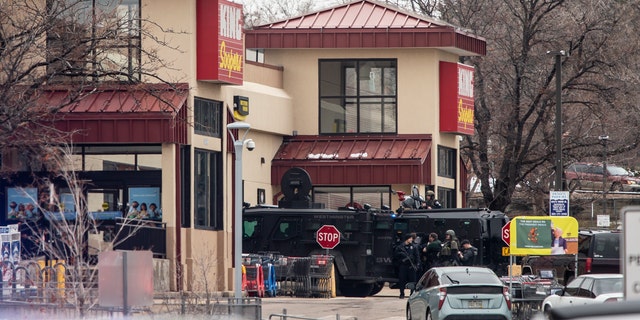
<point x="456" y="98"/>
<point x="220" y="48"/>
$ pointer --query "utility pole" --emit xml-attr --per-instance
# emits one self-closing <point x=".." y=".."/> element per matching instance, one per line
<point x="603" y="139"/>
<point x="559" y="168"/>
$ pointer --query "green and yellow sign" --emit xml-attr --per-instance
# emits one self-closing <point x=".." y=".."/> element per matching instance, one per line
<point x="543" y="235"/>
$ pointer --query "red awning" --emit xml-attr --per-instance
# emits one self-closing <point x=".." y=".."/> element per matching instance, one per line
<point x="146" y="113"/>
<point x="353" y="160"/>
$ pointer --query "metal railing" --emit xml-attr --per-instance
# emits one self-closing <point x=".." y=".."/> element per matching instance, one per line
<point x="285" y="316"/>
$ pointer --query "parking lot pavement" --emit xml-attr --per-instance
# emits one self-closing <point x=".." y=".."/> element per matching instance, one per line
<point x="383" y="306"/>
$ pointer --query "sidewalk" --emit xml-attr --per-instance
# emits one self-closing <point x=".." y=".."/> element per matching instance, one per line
<point x="383" y="306"/>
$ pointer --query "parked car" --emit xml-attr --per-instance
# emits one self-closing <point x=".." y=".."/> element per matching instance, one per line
<point x="623" y="310"/>
<point x="586" y="176"/>
<point x="598" y="252"/>
<point x="457" y="292"/>
<point x="587" y="289"/>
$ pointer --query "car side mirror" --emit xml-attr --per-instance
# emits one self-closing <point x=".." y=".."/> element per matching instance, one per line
<point x="411" y="286"/>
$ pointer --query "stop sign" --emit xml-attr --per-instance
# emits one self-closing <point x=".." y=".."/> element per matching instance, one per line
<point x="328" y="236"/>
<point x="506" y="233"/>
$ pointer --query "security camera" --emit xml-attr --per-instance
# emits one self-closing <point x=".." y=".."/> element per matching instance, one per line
<point x="251" y="145"/>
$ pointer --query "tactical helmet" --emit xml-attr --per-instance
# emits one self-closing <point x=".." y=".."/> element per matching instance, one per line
<point x="451" y="233"/>
<point x="431" y="193"/>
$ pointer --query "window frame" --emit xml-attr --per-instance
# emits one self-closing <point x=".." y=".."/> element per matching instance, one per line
<point x="211" y="201"/>
<point x="447" y="162"/>
<point x="127" y="38"/>
<point x="207" y="111"/>
<point x="353" y="192"/>
<point x="359" y="100"/>
<point x="447" y="197"/>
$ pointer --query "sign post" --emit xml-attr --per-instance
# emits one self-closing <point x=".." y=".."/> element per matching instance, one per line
<point x="631" y="252"/>
<point x="328" y="237"/>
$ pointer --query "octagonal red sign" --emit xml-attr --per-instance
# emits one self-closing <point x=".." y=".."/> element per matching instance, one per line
<point x="328" y="236"/>
<point x="506" y="233"/>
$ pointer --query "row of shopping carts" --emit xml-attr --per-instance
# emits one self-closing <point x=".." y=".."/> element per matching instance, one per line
<point x="275" y="275"/>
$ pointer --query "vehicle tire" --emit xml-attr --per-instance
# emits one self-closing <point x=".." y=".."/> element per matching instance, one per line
<point x="547" y="312"/>
<point x="377" y="287"/>
<point x="574" y="185"/>
<point x="408" y="313"/>
<point x="617" y="186"/>
<point x="429" y="317"/>
<point x="350" y="288"/>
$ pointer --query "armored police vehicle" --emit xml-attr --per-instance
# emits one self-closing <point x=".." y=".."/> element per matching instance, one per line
<point x="363" y="258"/>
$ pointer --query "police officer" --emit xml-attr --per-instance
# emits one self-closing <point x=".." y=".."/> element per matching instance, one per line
<point x="450" y="248"/>
<point x="430" y="252"/>
<point x="408" y="260"/>
<point x="430" y="201"/>
<point x="468" y="253"/>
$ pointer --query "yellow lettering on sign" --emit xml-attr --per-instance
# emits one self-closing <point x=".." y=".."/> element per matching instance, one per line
<point x="505" y="251"/>
<point x="465" y="115"/>
<point x="229" y="60"/>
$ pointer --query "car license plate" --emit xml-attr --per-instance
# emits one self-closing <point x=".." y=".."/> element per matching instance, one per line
<point x="475" y="304"/>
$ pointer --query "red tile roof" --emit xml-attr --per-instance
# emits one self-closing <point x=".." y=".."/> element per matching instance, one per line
<point x="364" y="24"/>
<point x="356" y="160"/>
<point x="161" y="98"/>
<point x="144" y="113"/>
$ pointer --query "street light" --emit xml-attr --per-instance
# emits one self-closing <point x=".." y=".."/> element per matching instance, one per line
<point x="559" y="168"/>
<point x="603" y="139"/>
<point x="237" y="232"/>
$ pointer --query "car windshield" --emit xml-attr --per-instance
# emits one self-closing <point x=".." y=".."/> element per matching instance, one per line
<point x="607" y="285"/>
<point x="607" y="245"/>
<point x="462" y="277"/>
<point x="617" y="171"/>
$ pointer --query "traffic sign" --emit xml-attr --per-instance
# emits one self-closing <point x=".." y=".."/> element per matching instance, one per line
<point x="559" y="203"/>
<point x="506" y="233"/>
<point x="631" y="252"/>
<point x="328" y="236"/>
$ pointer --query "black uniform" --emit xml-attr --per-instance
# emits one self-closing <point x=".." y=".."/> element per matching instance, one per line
<point x="408" y="261"/>
<point x="468" y="256"/>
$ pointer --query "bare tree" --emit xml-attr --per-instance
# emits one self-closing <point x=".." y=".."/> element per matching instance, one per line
<point x="514" y="147"/>
<point x="79" y="44"/>
<point x="81" y="47"/>
<point x="65" y="239"/>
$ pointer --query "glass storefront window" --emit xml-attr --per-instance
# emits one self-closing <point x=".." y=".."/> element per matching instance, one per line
<point x="336" y="197"/>
<point x="116" y="158"/>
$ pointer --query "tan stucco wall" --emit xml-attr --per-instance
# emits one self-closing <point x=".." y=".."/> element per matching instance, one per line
<point x="282" y="100"/>
<point x="418" y="92"/>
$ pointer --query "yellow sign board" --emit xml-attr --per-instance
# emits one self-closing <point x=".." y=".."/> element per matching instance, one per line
<point x="505" y="251"/>
<point x="543" y="235"/>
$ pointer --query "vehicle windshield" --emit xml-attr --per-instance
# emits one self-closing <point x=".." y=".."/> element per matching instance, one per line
<point x="617" y="171"/>
<point x="608" y="285"/>
<point x="462" y="277"/>
<point x="607" y="245"/>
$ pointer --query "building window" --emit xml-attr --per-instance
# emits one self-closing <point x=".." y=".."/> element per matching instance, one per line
<point x="117" y="158"/>
<point x="357" y="197"/>
<point x="207" y="115"/>
<point x="447" y="162"/>
<point x="208" y="189"/>
<point x="358" y="96"/>
<point x="447" y="197"/>
<point x="94" y="40"/>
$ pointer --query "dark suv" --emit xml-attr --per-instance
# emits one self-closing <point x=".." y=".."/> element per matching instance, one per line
<point x="588" y="176"/>
<point x="599" y="251"/>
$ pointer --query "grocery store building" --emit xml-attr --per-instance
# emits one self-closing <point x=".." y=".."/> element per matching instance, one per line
<point x="367" y="98"/>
